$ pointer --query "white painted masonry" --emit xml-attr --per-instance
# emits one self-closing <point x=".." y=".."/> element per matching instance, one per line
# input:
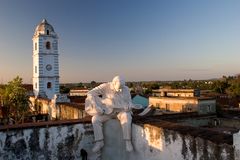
<point x="150" y="143"/>
<point x="45" y="61"/>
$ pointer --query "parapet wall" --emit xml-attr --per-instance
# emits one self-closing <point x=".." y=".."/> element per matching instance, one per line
<point x="65" y="139"/>
<point x="47" y="142"/>
<point x="153" y="142"/>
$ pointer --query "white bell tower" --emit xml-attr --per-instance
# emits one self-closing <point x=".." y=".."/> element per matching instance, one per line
<point x="45" y="61"/>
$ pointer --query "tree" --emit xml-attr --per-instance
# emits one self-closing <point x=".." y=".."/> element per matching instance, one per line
<point x="64" y="89"/>
<point x="93" y="84"/>
<point x="130" y="84"/>
<point x="234" y="88"/>
<point x="154" y="86"/>
<point x="16" y="100"/>
<point x="80" y="84"/>
<point x="220" y="86"/>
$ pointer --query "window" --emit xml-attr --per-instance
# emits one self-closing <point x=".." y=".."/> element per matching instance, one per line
<point x="189" y="109"/>
<point x="183" y="108"/>
<point x="47" y="32"/>
<point x="209" y="108"/>
<point x="48" y="45"/>
<point x="167" y="107"/>
<point x="35" y="47"/>
<point x="35" y="69"/>
<point x="49" y="85"/>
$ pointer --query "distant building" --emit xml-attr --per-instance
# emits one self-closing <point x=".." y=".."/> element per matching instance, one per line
<point x="182" y="100"/>
<point x="176" y="92"/>
<point x="47" y="99"/>
<point x="78" y="92"/>
<point x="57" y="109"/>
<point x="45" y="61"/>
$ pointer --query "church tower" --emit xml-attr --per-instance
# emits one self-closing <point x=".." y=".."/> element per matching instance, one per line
<point x="45" y="61"/>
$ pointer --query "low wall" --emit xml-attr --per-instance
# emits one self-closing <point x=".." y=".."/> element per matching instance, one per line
<point x="235" y="123"/>
<point x="71" y="111"/>
<point x="65" y="139"/>
<point x="154" y="143"/>
<point x="59" y="141"/>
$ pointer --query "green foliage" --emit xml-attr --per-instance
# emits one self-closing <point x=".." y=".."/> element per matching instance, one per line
<point x="154" y="86"/>
<point x="220" y="86"/>
<point x="64" y="89"/>
<point x="15" y="99"/>
<point x="228" y="85"/>
<point x="93" y="84"/>
<point x="147" y="92"/>
<point x="234" y="88"/>
<point x="80" y="85"/>
<point x="130" y="84"/>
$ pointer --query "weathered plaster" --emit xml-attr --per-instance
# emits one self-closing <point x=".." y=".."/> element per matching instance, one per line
<point x="150" y="142"/>
<point x="57" y="142"/>
<point x="154" y="143"/>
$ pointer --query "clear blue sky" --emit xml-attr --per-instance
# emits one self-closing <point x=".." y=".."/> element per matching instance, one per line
<point x="139" y="39"/>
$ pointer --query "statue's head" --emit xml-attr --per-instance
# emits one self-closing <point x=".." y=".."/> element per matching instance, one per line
<point x="118" y="83"/>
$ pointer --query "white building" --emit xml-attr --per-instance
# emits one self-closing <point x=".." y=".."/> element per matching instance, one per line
<point x="182" y="100"/>
<point x="45" y="61"/>
<point x="78" y="92"/>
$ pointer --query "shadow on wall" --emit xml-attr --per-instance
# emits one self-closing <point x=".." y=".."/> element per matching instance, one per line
<point x="152" y="143"/>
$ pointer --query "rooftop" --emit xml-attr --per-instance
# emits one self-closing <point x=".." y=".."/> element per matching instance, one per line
<point x="184" y="98"/>
<point x="169" y="122"/>
<point x="175" y="90"/>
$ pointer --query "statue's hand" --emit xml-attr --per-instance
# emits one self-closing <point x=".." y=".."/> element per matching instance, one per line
<point x="100" y="110"/>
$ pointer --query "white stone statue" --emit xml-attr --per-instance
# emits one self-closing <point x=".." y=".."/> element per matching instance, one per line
<point x="110" y="100"/>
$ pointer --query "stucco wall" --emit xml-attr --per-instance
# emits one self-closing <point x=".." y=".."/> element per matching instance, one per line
<point x="67" y="111"/>
<point x="150" y="143"/>
<point x="56" y="142"/>
<point x="207" y="106"/>
<point x="184" y="104"/>
<point x="154" y="143"/>
<point x="175" y="104"/>
<point x="60" y="111"/>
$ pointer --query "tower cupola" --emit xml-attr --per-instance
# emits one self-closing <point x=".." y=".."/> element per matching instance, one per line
<point x="44" y="28"/>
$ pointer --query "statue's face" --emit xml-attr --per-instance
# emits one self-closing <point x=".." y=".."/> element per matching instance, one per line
<point x="118" y="85"/>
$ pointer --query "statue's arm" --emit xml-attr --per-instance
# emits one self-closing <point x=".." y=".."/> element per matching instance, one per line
<point x="93" y="99"/>
<point x="97" y="91"/>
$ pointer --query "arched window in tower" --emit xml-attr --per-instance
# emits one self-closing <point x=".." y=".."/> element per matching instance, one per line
<point x="49" y="85"/>
<point x="47" y="32"/>
<point x="48" y="45"/>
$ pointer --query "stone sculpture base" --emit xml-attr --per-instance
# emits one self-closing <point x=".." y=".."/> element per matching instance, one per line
<point x="114" y="148"/>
